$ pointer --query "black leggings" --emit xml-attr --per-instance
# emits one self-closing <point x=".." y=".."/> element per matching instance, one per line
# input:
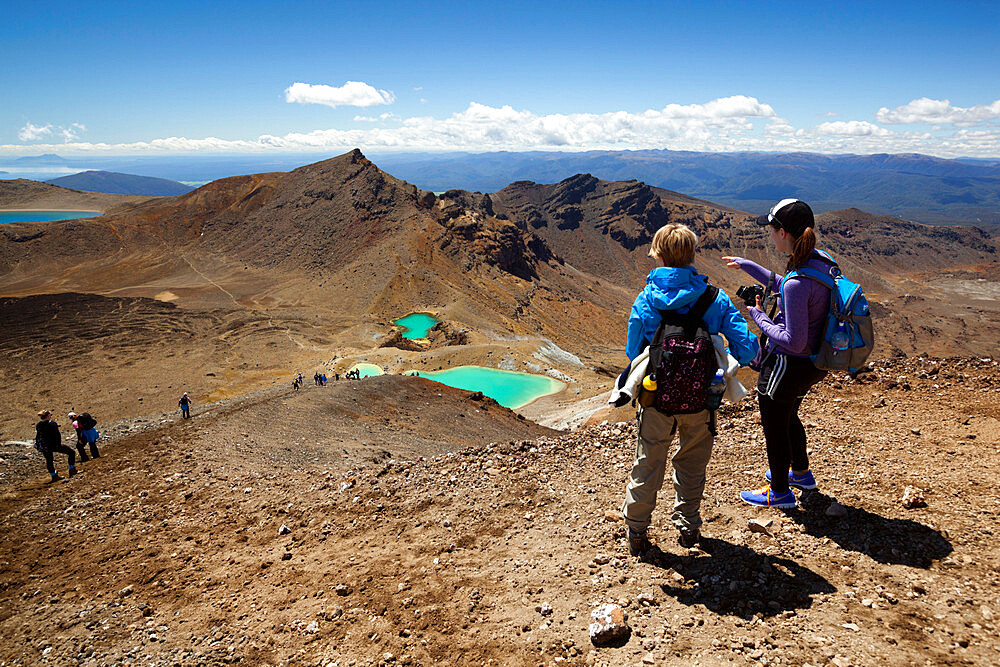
<point x="782" y="384"/>
<point x="81" y="446"/>
<point x="785" y="437"/>
<point x="62" y="449"/>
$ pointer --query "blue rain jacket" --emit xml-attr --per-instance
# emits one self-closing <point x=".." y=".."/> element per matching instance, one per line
<point x="677" y="288"/>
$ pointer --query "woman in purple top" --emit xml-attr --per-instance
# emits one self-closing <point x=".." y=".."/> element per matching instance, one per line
<point x="787" y="373"/>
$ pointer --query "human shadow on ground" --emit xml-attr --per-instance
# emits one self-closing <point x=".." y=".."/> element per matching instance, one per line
<point x="885" y="540"/>
<point x="738" y="581"/>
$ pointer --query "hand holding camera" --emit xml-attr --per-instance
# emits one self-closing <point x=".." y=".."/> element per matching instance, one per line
<point x="752" y="295"/>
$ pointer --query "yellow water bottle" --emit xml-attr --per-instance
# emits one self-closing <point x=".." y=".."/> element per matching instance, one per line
<point x="648" y="393"/>
<point x="649" y="382"/>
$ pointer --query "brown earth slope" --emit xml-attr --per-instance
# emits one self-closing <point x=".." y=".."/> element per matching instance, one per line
<point x="238" y="537"/>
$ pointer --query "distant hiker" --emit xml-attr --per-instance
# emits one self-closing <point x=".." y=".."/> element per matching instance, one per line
<point x="48" y="440"/>
<point x="295" y="384"/>
<point x="299" y="378"/>
<point x="676" y="293"/>
<point x="89" y="434"/>
<point x="185" y="405"/>
<point x="786" y="372"/>
<point x="322" y="380"/>
<point x="81" y="443"/>
<point x="336" y="377"/>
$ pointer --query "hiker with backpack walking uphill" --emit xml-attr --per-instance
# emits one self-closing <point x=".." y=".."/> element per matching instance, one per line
<point x="89" y="435"/>
<point x="185" y="406"/>
<point x="795" y="353"/>
<point x="48" y="440"/>
<point x="672" y="321"/>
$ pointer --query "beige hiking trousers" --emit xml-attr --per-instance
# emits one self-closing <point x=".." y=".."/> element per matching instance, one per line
<point x="656" y="431"/>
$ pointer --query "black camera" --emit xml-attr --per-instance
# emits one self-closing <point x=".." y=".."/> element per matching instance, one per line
<point x="749" y="294"/>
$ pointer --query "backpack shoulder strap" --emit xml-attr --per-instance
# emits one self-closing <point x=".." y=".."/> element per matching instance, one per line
<point x="701" y="306"/>
<point x="807" y="272"/>
<point x="817" y="275"/>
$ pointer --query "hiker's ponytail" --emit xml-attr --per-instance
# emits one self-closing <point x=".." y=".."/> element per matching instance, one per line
<point x="804" y="246"/>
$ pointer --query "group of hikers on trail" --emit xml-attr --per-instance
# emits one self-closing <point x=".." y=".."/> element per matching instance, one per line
<point x="48" y="439"/>
<point x="680" y="368"/>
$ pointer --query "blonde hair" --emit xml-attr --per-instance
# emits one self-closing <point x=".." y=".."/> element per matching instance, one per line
<point x="42" y="414"/>
<point x="674" y="245"/>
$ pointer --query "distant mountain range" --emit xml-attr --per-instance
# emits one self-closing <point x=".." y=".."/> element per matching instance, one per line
<point x="913" y="187"/>
<point x="909" y="186"/>
<point x="121" y="184"/>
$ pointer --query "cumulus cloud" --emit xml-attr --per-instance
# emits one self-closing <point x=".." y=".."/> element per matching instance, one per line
<point x="737" y="123"/>
<point x="351" y="94"/>
<point x="852" y="128"/>
<point x="32" y="132"/>
<point x="931" y="112"/>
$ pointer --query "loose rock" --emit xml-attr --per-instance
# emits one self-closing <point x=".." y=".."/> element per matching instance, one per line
<point x="608" y="624"/>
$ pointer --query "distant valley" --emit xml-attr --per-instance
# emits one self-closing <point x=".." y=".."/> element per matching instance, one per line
<point x="913" y="187"/>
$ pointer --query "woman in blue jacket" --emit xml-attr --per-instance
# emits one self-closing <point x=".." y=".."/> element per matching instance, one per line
<point x="675" y="286"/>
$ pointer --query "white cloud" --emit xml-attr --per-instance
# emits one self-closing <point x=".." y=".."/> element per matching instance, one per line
<point x="351" y="94"/>
<point x="35" y="132"/>
<point x="737" y="123"/>
<point x="374" y="119"/>
<point x="930" y="112"/>
<point x="852" y="128"/>
<point x="828" y="114"/>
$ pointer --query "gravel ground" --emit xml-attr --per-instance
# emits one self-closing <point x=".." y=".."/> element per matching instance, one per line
<point x="229" y="539"/>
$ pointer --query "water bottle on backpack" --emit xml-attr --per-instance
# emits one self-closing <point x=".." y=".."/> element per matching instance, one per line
<point x="716" y="390"/>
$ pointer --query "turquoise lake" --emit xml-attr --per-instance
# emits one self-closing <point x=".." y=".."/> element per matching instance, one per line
<point x="43" y="216"/>
<point x="416" y="325"/>
<point x="367" y="370"/>
<point x="509" y="389"/>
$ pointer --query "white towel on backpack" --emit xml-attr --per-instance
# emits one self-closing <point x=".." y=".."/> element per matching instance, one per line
<point x="627" y="385"/>
<point x="735" y="391"/>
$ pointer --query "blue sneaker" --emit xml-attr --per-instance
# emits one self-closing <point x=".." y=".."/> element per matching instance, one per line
<point x="765" y="497"/>
<point x="806" y="482"/>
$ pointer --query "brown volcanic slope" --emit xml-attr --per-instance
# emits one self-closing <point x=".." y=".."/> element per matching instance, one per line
<point x="169" y="549"/>
<point x="284" y="272"/>
<point x="22" y="193"/>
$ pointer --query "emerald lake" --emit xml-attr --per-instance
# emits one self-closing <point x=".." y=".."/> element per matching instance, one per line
<point x="508" y="388"/>
<point x="416" y="325"/>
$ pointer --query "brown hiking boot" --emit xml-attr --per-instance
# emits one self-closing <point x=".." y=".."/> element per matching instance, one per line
<point x="638" y="543"/>
<point x="689" y="538"/>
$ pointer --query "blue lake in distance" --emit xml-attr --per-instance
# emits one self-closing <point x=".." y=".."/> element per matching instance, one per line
<point x="416" y="325"/>
<point x="508" y="388"/>
<point x="44" y="216"/>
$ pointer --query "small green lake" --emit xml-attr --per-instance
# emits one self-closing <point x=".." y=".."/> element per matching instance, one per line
<point x="44" y="216"/>
<point x="508" y="388"/>
<point x="367" y="370"/>
<point x="416" y="325"/>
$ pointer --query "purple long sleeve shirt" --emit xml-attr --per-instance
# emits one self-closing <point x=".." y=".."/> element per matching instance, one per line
<point x="798" y="327"/>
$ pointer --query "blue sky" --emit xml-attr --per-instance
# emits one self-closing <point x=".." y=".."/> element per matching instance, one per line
<point x="147" y="78"/>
